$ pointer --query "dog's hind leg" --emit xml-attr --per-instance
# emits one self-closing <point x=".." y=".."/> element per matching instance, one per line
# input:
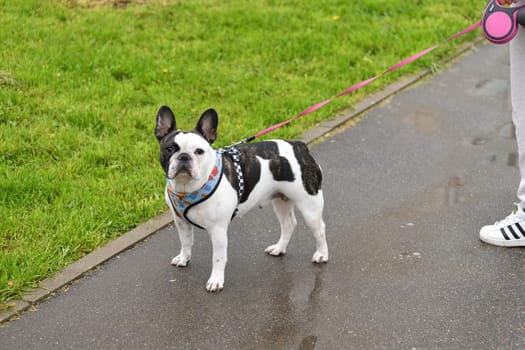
<point x="283" y="208"/>
<point x="312" y="211"/>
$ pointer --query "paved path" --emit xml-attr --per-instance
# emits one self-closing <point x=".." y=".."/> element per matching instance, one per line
<point x="407" y="190"/>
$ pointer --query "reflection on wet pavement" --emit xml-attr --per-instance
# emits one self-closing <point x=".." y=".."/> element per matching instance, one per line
<point x="295" y="304"/>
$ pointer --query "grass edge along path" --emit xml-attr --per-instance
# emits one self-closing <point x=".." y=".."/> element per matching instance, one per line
<point x="79" y="87"/>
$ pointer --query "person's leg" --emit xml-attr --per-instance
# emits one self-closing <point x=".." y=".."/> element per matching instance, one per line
<point x="510" y="232"/>
<point x="517" y="87"/>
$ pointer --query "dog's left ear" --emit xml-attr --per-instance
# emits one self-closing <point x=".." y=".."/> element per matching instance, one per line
<point x="207" y="125"/>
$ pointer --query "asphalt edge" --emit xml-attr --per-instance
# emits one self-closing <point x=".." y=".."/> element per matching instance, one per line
<point x="76" y="270"/>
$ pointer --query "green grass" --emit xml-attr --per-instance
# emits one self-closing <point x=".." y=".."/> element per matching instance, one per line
<point x="80" y="86"/>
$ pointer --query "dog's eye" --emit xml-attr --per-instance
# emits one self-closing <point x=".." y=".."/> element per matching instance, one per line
<point x="199" y="151"/>
<point x="172" y="149"/>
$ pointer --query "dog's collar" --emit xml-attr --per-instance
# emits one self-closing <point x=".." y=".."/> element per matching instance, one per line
<point x="181" y="202"/>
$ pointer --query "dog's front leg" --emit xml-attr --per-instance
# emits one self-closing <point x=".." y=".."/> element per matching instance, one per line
<point x="186" y="242"/>
<point x="219" y="240"/>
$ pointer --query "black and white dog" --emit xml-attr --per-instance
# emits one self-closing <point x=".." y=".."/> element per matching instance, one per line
<point x="206" y="187"/>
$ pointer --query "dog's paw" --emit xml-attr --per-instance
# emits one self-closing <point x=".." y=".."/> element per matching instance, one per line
<point x="180" y="260"/>
<point x="275" y="250"/>
<point x="320" y="258"/>
<point x="214" y="285"/>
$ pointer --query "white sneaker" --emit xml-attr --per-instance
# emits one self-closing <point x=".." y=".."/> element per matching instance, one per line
<point x="509" y="232"/>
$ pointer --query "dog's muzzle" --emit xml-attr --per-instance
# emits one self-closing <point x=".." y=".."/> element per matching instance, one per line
<point x="183" y="166"/>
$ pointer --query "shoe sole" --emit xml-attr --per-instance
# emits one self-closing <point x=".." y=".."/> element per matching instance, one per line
<point x="515" y="243"/>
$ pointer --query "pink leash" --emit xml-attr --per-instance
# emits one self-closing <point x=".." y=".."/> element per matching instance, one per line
<point x="358" y="85"/>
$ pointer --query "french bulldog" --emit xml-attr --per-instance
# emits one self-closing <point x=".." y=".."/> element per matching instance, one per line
<point x="206" y="187"/>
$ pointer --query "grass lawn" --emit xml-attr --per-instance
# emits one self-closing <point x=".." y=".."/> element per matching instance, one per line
<point x="81" y="81"/>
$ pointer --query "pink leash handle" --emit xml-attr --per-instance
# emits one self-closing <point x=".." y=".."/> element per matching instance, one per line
<point x="500" y="23"/>
<point x="359" y="85"/>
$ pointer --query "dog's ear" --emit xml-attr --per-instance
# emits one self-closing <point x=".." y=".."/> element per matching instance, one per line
<point x="207" y="125"/>
<point x="165" y="122"/>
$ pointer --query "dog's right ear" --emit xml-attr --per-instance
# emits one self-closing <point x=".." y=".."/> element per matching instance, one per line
<point x="165" y="122"/>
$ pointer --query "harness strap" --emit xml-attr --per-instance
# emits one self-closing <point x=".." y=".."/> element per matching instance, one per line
<point x="235" y="154"/>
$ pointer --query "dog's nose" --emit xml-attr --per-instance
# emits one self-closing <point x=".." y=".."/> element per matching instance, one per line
<point x="184" y="157"/>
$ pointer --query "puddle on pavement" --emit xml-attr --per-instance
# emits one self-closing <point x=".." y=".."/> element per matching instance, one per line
<point x="294" y="302"/>
<point x="448" y="195"/>
<point x="308" y="343"/>
<point x="508" y="131"/>
<point x="424" y="120"/>
<point x="489" y="159"/>
<point x="512" y="160"/>
<point x="493" y="88"/>
<point x="477" y="141"/>
<point x="453" y="196"/>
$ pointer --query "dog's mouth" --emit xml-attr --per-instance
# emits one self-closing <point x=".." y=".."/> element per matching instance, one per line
<point x="183" y="171"/>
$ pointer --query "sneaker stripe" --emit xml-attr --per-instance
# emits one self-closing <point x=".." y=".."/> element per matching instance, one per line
<point x="513" y="232"/>
<point x="504" y="234"/>
<point x="520" y="228"/>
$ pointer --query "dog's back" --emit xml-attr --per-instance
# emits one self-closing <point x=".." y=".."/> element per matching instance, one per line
<point x="287" y="162"/>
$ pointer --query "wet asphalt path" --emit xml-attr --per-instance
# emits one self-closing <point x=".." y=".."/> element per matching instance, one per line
<point x="406" y="192"/>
